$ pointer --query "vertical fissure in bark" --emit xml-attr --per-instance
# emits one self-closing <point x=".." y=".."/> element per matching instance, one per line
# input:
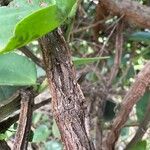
<point x="67" y="99"/>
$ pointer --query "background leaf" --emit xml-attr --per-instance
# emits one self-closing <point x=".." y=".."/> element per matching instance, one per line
<point x="55" y="130"/>
<point x="146" y="54"/>
<point x="6" y="92"/>
<point x="16" y="70"/>
<point x="53" y="145"/>
<point x="41" y="133"/>
<point x="141" y="106"/>
<point x="84" y="61"/>
<point x="141" y="145"/>
<point x="2" y="136"/>
<point x="140" y="36"/>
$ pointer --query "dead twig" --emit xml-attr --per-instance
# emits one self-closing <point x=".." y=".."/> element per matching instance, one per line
<point x="137" y="90"/>
<point x="134" y="12"/>
<point x="25" y="118"/>
<point x="118" y="53"/>
<point x="4" y="125"/>
<point x="142" y="128"/>
<point x="87" y="27"/>
<point x="100" y="53"/>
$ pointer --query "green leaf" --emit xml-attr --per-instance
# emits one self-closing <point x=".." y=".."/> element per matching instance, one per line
<point x="140" y="36"/>
<point x="141" y="145"/>
<point x="141" y="106"/>
<point x="91" y="76"/>
<point x="84" y="61"/>
<point x="73" y="11"/>
<point x="53" y="145"/>
<point x="16" y="70"/>
<point x="23" y="22"/>
<point x="41" y="134"/>
<point x="148" y="143"/>
<point x="146" y="54"/>
<point x="6" y="92"/>
<point x="124" y="133"/>
<point x="36" y="117"/>
<point x="2" y="136"/>
<point x="55" y="130"/>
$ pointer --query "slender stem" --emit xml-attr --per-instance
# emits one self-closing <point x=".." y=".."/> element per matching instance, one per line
<point x="29" y="54"/>
<point x="25" y="120"/>
<point x="138" y="88"/>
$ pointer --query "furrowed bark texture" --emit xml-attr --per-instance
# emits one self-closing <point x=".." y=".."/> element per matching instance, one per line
<point x="144" y="125"/>
<point x="133" y="12"/>
<point x="67" y="98"/>
<point x="138" y="88"/>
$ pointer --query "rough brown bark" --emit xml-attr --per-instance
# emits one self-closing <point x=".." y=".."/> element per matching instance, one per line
<point x="138" y="88"/>
<point x="141" y="129"/>
<point x="25" y="119"/>
<point x="134" y="12"/>
<point x="67" y="98"/>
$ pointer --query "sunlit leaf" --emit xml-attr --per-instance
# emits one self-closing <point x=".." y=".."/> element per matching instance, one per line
<point x="23" y="22"/>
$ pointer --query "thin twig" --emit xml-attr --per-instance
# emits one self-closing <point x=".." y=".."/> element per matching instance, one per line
<point x="25" y="50"/>
<point x="127" y="125"/>
<point x="4" y="125"/>
<point x="142" y="128"/>
<point x="87" y="27"/>
<point x="137" y="90"/>
<point x="25" y="119"/>
<point x="105" y="43"/>
<point x="118" y="53"/>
